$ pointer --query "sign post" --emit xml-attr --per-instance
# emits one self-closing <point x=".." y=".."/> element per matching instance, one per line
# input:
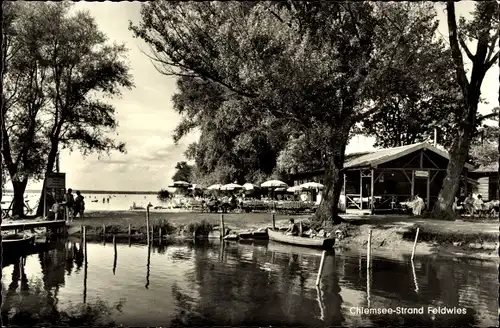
<point x="55" y="182"/>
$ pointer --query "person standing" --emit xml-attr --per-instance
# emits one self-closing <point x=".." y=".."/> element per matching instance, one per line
<point x="69" y="202"/>
<point x="79" y="205"/>
<point x="418" y="205"/>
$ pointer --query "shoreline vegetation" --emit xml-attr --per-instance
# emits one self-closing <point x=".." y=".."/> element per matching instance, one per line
<point x="473" y="239"/>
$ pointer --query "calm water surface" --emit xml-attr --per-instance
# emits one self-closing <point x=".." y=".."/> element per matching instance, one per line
<point x="238" y="284"/>
<point x="93" y="202"/>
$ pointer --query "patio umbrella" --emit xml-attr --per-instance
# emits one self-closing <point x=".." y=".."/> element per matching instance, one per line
<point x="179" y="184"/>
<point x="231" y="186"/>
<point x="274" y="184"/>
<point x="215" y="187"/>
<point x="280" y="189"/>
<point x="311" y="185"/>
<point x="293" y="189"/>
<point x="196" y="187"/>
<point x="250" y="186"/>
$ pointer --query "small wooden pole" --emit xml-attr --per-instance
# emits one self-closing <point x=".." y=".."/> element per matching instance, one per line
<point x="129" y="230"/>
<point x="415" y="244"/>
<point x="115" y="254"/>
<point x="85" y="264"/>
<point x="159" y="233"/>
<point x="369" y="250"/>
<point x="274" y="222"/>
<point x="104" y="230"/>
<point x="222" y="228"/>
<point x="147" y="223"/>
<point x="320" y="271"/>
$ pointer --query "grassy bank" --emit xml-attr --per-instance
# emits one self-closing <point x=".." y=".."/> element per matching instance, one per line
<point x="395" y="233"/>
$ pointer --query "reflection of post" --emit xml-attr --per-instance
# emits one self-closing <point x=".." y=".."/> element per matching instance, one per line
<point x="321" y="305"/>
<point x="115" y="257"/>
<point x="368" y="286"/>
<point x="414" y="276"/>
<point x="415" y="244"/>
<point x="369" y="250"/>
<point x="85" y="261"/>
<point x="320" y="271"/>
<point x="221" y="253"/>
<point x="149" y="261"/>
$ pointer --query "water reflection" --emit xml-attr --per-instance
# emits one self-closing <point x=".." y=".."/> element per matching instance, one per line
<point x="34" y="299"/>
<point x="231" y="284"/>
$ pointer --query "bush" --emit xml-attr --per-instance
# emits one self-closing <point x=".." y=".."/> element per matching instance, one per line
<point x="202" y="228"/>
<point x="163" y="194"/>
<point x="166" y="227"/>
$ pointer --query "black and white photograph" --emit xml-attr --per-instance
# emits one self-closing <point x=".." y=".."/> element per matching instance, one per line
<point x="250" y="163"/>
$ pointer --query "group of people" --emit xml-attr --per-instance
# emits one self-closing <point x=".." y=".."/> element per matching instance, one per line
<point x="472" y="205"/>
<point x="68" y="207"/>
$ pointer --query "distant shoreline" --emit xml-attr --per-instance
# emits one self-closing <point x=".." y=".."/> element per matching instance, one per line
<point x="103" y="192"/>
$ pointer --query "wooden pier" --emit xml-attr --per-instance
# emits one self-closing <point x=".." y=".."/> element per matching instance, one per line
<point x="58" y="226"/>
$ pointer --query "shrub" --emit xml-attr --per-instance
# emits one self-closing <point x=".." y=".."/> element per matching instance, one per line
<point x="166" y="227"/>
<point x="202" y="228"/>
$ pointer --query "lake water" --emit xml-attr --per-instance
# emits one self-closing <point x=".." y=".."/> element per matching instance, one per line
<point x="94" y="202"/>
<point x="237" y="284"/>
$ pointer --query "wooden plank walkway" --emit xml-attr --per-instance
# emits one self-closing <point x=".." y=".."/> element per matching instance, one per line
<point x="32" y="225"/>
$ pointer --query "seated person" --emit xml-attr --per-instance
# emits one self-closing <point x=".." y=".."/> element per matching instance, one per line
<point x="293" y="229"/>
<point x="469" y="204"/>
<point x="479" y="204"/>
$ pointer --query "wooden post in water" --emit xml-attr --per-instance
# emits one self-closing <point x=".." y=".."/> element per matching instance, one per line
<point x="369" y="250"/>
<point x="415" y="244"/>
<point x="159" y="233"/>
<point x="85" y="264"/>
<point x="320" y="271"/>
<point x="222" y="228"/>
<point x="129" y="230"/>
<point x="274" y="222"/>
<point x="147" y="223"/>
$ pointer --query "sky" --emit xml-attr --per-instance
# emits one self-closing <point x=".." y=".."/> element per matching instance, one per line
<point x="147" y="119"/>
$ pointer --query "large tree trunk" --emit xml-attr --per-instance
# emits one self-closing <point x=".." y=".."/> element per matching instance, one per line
<point x="328" y="208"/>
<point x="18" y="200"/>
<point x="51" y="160"/>
<point x="458" y="157"/>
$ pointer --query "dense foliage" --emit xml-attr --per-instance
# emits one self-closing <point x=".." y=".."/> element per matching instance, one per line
<point x="58" y="69"/>
<point x="262" y="80"/>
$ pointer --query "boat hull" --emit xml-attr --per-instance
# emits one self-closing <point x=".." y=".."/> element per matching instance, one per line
<point x="12" y="245"/>
<point x="324" y="243"/>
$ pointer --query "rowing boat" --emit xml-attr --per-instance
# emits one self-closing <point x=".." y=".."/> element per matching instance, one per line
<point x="16" y="243"/>
<point x="316" y="242"/>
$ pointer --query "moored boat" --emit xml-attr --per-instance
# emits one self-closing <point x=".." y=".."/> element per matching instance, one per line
<point x="316" y="242"/>
<point x="16" y="243"/>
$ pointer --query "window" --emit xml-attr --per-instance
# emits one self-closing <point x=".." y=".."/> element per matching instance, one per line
<point x="493" y="188"/>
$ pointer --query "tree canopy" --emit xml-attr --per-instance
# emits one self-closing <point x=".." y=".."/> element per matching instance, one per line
<point x="266" y="63"/>
<point x="262" y="79"/>
<point x="183" y="172"/>
<point x="59" y="67"/>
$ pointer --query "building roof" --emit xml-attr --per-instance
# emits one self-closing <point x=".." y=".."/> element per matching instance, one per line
<point x="381" y="156"/>
<point x="493" y="167"/>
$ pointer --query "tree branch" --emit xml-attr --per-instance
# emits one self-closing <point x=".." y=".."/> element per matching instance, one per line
<point x="455" y="49"/>
<point x="466" y="49"/>
<point x="489" y="63"/>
